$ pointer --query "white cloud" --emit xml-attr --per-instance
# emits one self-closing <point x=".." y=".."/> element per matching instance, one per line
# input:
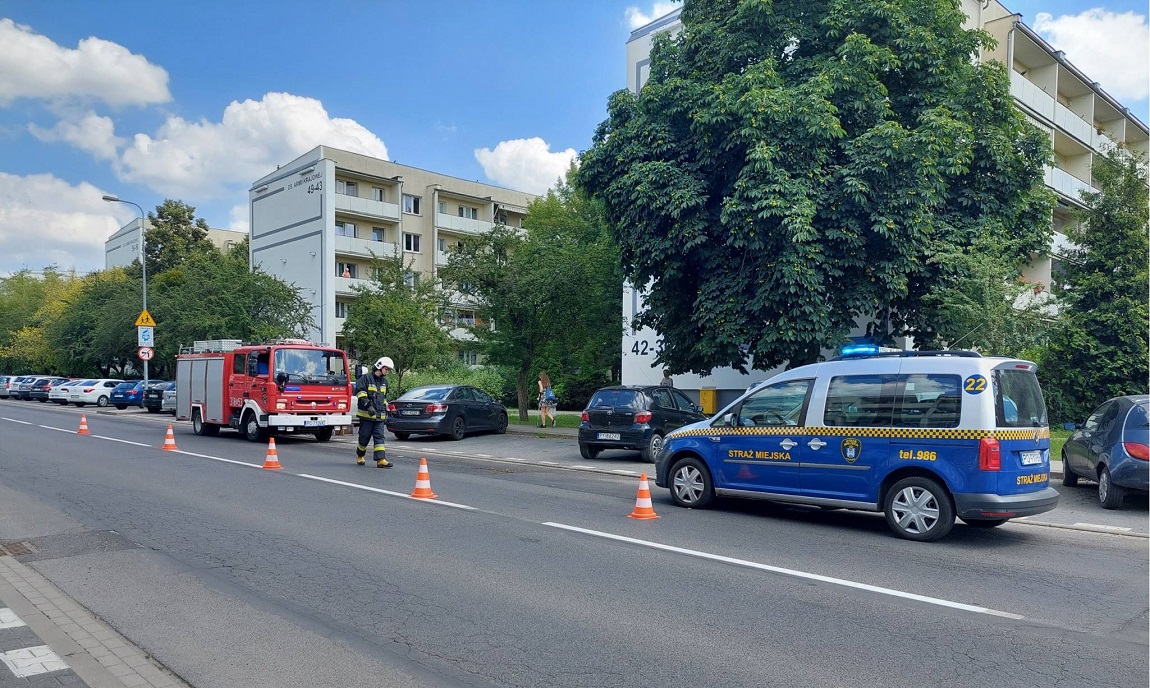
<point x="1111" y="48"/>
<point x="238" y="218"/>
<point x="525" y="164"/>
<point x="187" y="159"/>
<point x="33" y="66"/>
<point x="46" y="220"/>
<point x="636" y="17"/>
<point x="91" y="133"/>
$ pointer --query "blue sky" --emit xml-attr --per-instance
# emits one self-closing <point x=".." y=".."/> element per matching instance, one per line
<point x="195" y="100"/>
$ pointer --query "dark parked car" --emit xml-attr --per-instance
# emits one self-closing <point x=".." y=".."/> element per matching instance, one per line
<point x="22" y="387"/>
<point x="43" y="385"/>
<point x="1112" y="447"/>
<point x="452" y="410"/>
<point x="634" y="418"/>
<point x="125" y="394"/>
<point x="154" y="396"/>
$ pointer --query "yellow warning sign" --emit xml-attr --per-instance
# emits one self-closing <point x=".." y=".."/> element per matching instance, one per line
<point x="145" y="319"/>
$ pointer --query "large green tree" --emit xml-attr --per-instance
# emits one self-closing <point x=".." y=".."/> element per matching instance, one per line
<point x="174" y="235"/>
<point x="1100" y="347"/>
<point x="791" y="168"/>
<point x="551" y="291"/>
<point x="397" y="316"/>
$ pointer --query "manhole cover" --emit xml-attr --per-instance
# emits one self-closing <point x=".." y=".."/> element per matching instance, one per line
<point x="15" y="549"/>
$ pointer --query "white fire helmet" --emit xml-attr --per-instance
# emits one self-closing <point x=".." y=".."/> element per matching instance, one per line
<point x="384" y="362"/>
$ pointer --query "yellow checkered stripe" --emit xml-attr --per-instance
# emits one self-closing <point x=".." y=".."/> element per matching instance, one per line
<point x="901" y="433"/>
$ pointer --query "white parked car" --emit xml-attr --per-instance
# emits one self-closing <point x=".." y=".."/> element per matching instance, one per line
<point x="60" y="392"/>
<point x="96" y="393"/>
<point x="169" y="403"/>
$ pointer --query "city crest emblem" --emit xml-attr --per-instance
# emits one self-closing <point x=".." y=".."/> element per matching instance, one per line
<point x="851" y="449"/>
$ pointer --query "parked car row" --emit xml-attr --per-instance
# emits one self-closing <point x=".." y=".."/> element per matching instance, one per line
<point x="98" y="391"/>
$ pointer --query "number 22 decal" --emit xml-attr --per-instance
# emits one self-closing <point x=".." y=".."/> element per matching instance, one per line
<point x="974" y="384"/>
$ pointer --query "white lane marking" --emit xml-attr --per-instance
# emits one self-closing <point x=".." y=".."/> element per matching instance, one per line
<point x="21" y="422"/>
<point x="549" y="463"/>
<point x="792" y="572"/>
<point x="30" y="661"/>
<point x="512" y="458"/>
<point x="49" y="427"/>
<point x="577" y="465"/>
<point x="617" y="470"/>
<point x="113" y="439"/>
<point x="484" y="456"/>
<point x="386" y="492"/>
<point x="8" y="618"/>
<point x="216" y="458"/>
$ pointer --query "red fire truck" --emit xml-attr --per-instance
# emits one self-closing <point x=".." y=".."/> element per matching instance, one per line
<point x="287" y="386"/>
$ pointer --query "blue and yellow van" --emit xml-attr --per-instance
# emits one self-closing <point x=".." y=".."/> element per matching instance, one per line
<point x="923" y="436"/>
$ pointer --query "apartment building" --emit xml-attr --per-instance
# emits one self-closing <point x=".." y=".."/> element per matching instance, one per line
<point x="318" y="221"/>
<point x="123" y="247"/>
<point x="1081" y="119"/>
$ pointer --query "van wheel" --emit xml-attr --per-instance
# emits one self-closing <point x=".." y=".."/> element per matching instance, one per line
<point x="324" y="434"/>
<point x="251" y="428"/>
<point x="691" y="484"/>
<point x="1069" y="477"/>
<point x="588" y="451"/>
<point x="1109" y="494"/>
<point x="199" y="427"/>
<point x="919" y="509"/>
<point x="651" y="451"/>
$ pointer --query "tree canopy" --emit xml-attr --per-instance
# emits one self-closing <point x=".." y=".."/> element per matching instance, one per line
<point x="792" y="168"/>
<point x="1099" y="349"/>
<point x="174" y="236"/>
<point x="551" y="290"/>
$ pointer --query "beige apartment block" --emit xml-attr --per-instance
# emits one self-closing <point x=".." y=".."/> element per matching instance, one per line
<point x="123" y="247"/>
<point x="318" y="221"/>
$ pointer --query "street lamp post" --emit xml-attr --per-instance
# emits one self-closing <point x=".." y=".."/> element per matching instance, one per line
<point x="143" y="268"/>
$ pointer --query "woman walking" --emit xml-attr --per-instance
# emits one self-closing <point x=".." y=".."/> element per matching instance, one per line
<point x="546" y="400"/>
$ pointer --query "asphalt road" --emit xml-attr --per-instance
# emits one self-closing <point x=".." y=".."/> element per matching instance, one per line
<point x="526" y="573"/>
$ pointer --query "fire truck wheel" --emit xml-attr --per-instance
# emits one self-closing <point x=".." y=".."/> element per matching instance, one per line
<point x="201" y="428"/>
<point x="251" y="427"/>
<point x="324" y="434"/>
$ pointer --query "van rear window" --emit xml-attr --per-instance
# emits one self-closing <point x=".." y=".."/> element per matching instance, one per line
<point x="1018" y="400"/>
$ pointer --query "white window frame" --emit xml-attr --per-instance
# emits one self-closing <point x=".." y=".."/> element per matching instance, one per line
<point x="380" y="232"/>
<point x="347" y="227"/>
<point x="468" y="212"/>
<point x="411" y="242"/>
<point x="352" y="268"/>
<point x="411" y="204"/>
<point x="378" y="194"/>
<point x="346" y="188"/>
<point x="341" y="309"/>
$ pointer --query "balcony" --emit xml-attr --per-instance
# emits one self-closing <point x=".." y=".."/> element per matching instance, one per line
<point x="366" y="207"/>
<point x="344" y="285"/>
<point x="1066" y="184"/>
<point x="1073" y="124"/>
<point x="364" y="247"/>
<point x="1031" y="96"/>
<point x="1103" y="143"/>
<point x="463" y="225"/>
<point x="441" y="257"/>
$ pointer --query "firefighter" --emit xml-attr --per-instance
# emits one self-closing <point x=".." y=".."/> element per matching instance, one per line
<point x="371" y="396"/>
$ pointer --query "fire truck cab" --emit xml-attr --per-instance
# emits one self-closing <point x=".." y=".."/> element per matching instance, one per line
<point x="287" y="386"/>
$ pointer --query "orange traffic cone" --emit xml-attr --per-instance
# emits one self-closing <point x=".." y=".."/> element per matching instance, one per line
<point x="272" y="462"/>
<point x="83" y="425"/>
<point x="643" y="508"/>
<point x="170" y="440"/>
<point x="423" y="483"/>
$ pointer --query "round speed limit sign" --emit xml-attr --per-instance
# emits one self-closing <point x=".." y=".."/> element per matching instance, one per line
<point x="145" y="353"/>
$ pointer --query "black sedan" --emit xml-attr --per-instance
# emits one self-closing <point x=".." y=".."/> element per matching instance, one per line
<point x="452" y="410"/>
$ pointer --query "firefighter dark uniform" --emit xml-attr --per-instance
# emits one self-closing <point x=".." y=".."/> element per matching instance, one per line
<point x="371" y="398"/>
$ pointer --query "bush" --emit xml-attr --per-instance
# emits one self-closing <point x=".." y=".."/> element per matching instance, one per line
<point x="490" y="379"/>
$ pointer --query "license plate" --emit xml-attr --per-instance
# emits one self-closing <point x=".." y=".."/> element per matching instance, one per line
<point x="409" y="412"/>
<point x="314" y="423"/>
<point x="607" y="436"/>
<point x="1031" y="457"/>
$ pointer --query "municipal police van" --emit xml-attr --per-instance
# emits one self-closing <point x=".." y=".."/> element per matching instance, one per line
<point x="923" y="436"/>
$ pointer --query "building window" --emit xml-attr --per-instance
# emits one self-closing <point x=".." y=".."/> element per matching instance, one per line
<point x="345" y="229"/>
<point x="411" y="204"/>
<point x="447" y="317"/>
<point x="346" y="270"/>
<point x="469" y="213"/>
<point x="411" y="242"/>
<point x="465" y="318"/>
<point x="377" y="234"/>
<point x="341" y="309"/>
<point x="411" y="279"/>
<point x="378" y="194"/>
<point x="346" y="188"/>
<point x="468" y="357"/>
<point x="442" y="208"/>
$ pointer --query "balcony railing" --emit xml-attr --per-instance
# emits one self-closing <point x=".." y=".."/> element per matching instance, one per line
<point x="1066" y="184"/>
<point x="343" y="285"/>
<point x="464" y="225"/>
<point x="365" y="206"/>
<point x="1103" y="143"/>
<point x="363" y="247"/>
<point x="441" y="257"/>
<point x="1031" y="95"/>
<point x="1073" y="124"/>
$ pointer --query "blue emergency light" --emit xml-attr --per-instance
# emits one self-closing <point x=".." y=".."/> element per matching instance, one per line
<point x="859" y="350"/>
